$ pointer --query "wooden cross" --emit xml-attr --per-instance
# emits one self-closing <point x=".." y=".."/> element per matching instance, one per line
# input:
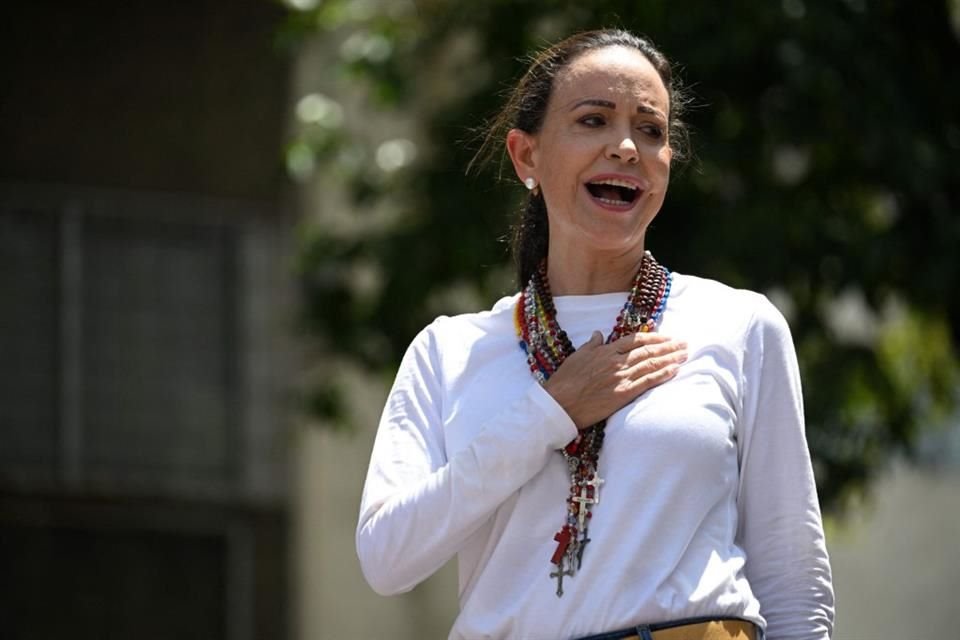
<point x="563" y="541"/>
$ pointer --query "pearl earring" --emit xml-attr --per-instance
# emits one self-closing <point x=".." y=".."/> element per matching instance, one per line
<point x="530" y="183"/>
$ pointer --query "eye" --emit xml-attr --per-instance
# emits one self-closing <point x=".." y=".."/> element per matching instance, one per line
<point x="652" y="130"/>
<point x="593" y="120"/>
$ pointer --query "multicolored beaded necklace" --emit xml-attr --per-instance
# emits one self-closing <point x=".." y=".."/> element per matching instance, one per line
<point x="547" y="346"/>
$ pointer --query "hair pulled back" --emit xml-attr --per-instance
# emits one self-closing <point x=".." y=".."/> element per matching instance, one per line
<point x="526" y="108"/>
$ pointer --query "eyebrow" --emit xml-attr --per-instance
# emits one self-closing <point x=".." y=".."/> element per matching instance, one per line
<point x="607" y="104"/>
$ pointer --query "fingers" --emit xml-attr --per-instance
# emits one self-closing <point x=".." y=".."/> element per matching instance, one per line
<point x="598" y="379"/>
<point x="641" y="347"/>
<point x="657" y="355"/>
<point x="650" y="363"/>
<point x="627" y="343"/>
<point x="651" y="366"/>
<point x="652" y="379"/>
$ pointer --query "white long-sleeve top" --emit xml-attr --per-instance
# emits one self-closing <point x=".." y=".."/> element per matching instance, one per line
<point x="709" y="506"/>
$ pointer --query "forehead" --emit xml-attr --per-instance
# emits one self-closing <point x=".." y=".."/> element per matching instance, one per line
<point x="611" y="72"/>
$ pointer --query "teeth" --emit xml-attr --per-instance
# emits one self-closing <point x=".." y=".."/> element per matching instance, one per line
<point x="617" y="203"/>
<point x="617" y="183"/>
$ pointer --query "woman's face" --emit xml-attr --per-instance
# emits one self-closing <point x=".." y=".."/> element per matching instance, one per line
<point x="602" y="157"/>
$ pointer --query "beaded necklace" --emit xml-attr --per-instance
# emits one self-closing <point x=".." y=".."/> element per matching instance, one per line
<point x="546" y="346"/>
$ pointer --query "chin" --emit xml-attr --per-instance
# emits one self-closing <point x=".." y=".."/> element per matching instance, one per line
<point x="613" y="232"/>
<point x="614" y="243"/>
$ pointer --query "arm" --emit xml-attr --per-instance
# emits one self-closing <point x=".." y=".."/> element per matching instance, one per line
<point x="780" y="527"/>
<point x="419" y="507"/>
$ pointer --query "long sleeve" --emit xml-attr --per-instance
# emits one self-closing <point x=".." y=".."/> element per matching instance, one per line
<point x="780" y="526"/>
<point x="418" y="506"/>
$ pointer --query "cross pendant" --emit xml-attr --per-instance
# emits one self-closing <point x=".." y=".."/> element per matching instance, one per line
<point x="580" y="546"/>
<point x="584" y="500"/>
<point x="581" y="517"/>
<point x="563" y="541"/>
<point x="558" y="574"/>
<point x="594" y="483"/>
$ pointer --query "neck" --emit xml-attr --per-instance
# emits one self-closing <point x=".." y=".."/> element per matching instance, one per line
<point x="571" y="273"/>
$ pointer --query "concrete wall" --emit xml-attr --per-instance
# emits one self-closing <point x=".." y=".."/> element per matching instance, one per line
<point x="333" y="600"/>
<point x="896" y="563"/>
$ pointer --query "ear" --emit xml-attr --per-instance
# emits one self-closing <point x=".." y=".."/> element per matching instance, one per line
<point x="522" y="148"/>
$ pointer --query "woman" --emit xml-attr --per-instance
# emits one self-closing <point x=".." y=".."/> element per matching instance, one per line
<point x="686" y="417"/>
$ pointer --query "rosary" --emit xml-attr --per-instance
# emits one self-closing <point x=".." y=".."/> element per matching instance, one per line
<point x="546" y="346"/>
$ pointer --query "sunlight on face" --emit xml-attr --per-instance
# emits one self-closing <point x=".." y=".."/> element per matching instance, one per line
<point x="603" y="156"/>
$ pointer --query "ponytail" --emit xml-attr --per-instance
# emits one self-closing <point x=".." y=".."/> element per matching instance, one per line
<point x="530" y="237"/>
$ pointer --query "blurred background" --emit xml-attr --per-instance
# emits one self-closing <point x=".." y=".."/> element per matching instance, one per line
<point x="221" y="223"/>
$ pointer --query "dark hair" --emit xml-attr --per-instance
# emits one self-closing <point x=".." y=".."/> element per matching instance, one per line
<point x="526" y="107"/>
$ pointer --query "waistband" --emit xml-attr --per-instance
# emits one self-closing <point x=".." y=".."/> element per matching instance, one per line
<point x="687" y="629"/>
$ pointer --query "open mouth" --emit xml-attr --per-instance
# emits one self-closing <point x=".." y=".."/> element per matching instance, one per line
<point x="613" y="192"/>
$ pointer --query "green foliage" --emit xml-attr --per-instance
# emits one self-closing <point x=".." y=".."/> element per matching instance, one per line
<point x="828" y="136"/>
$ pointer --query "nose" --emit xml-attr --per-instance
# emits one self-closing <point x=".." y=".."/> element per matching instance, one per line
<point x="625" y="150"/>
